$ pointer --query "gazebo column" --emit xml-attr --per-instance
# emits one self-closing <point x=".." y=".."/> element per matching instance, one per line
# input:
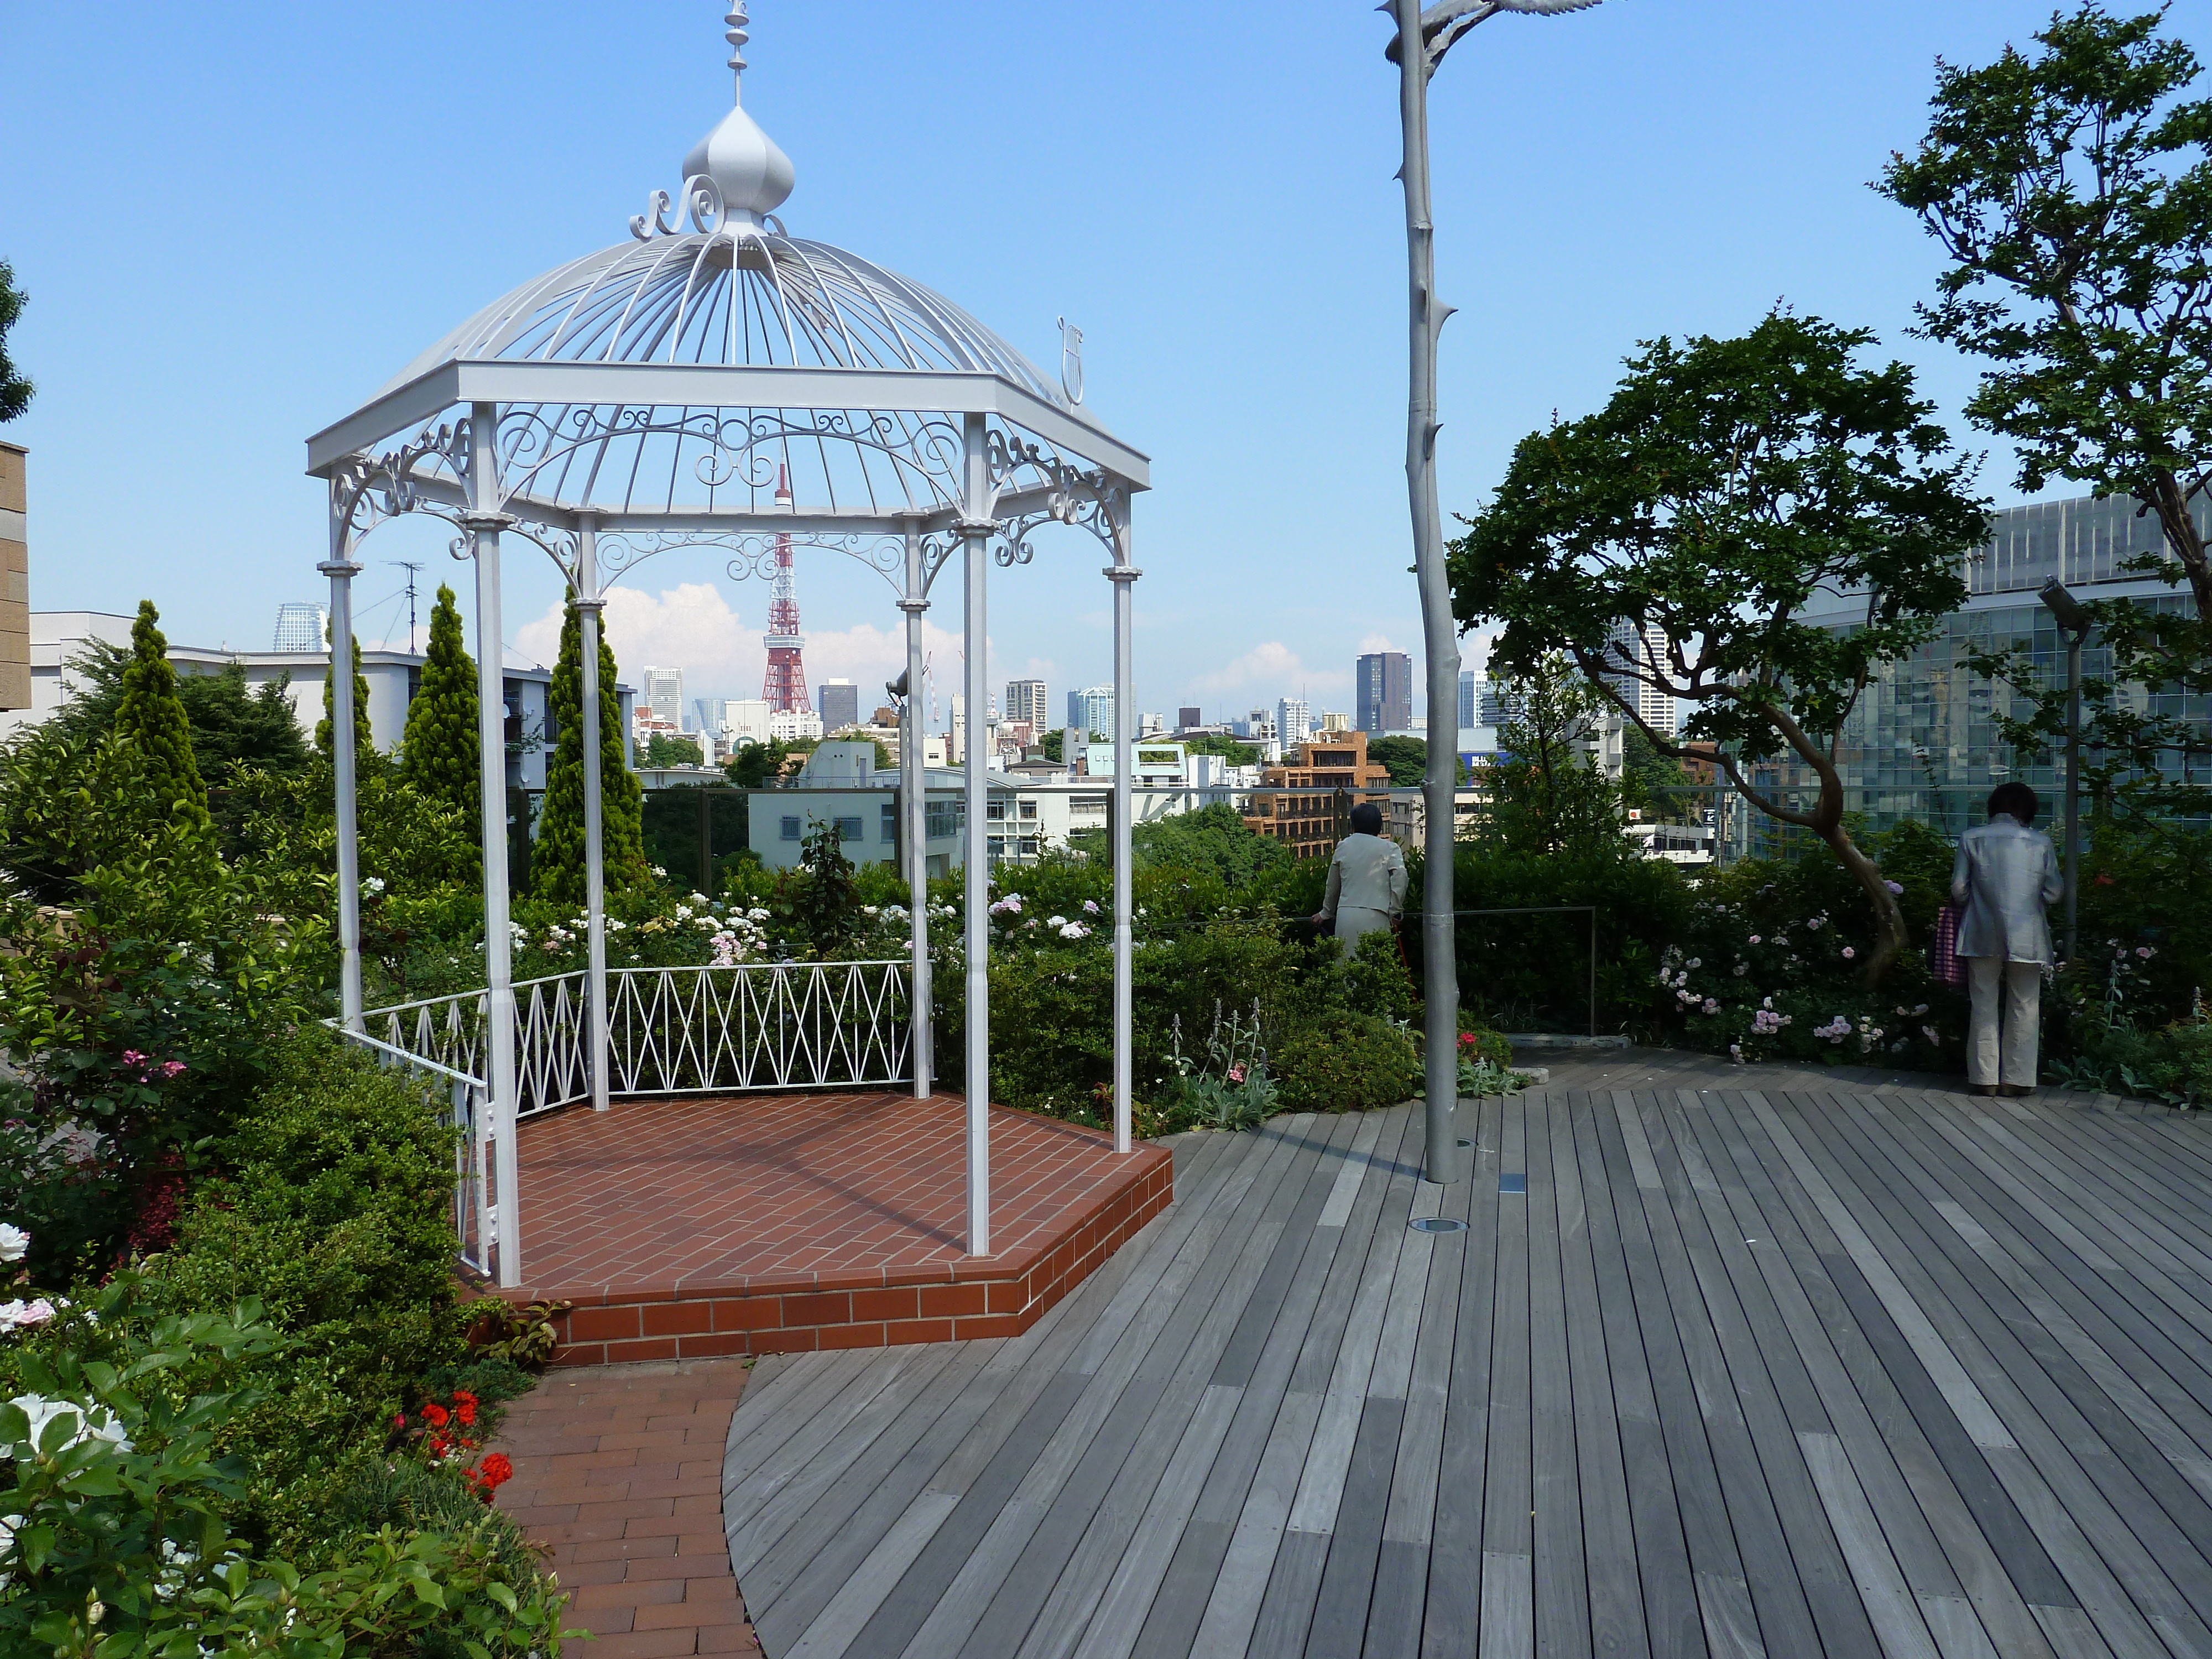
<point x="589" y="605"/>
<point x="914" y="789"/>
<point x="975" y="530"/>
<point x="1122" y="574"/>
<point x="341" y="570"/>
<point x="484" y="522"/>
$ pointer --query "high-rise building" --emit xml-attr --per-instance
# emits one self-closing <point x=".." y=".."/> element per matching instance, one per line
<point x="1293" y="719"/>
<point x="1188" y="717"/>
<point x="839" y="701"/>
<point x="1025" y="701"/>
<point x="785" y="686"/>
<point x="1470" y="685"/>
<point x="713" y="713"/>
<point x="1092" y="709"/>
<point x="1383" y="686"/>
<point x="302" y="626"/>
<point x="1646" y="647"/>
<point x="662" y="692"/>
<point x="15" y="577"/>
<point x="1151" y="726"/>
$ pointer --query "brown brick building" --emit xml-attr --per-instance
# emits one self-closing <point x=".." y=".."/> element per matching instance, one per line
<point x="15" y="581"/>
<point x="1329" y="775"/>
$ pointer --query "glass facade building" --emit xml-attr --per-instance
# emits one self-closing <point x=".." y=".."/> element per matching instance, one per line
<point x="1925" y="741"/>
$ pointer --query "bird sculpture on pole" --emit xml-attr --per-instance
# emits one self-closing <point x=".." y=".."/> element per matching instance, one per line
<point x="1438" y="29"/>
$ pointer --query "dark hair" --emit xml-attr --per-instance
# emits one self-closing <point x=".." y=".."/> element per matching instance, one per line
<point x="1367" y="819"/>
<point x="2016" y="800"/>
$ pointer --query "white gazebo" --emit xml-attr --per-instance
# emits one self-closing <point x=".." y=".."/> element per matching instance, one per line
<point x="715" y="382"/>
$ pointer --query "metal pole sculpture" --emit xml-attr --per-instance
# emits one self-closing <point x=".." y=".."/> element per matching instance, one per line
<point x="589" y="606"/>
<point x="1433" y="32"/>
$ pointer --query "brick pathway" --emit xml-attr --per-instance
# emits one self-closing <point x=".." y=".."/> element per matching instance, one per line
<point x="618" y="1469"/>
<point x="694" y="1228"/>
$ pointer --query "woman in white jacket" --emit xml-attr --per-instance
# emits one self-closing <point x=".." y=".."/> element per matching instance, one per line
<point x="2005" y="874"/>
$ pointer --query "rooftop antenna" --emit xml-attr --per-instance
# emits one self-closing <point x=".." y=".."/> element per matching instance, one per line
<point x="413" y="569"/>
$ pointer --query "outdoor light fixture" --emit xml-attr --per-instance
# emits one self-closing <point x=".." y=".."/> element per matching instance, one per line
<point x="2074" y="623"/>
<point x="1433" y="30"/>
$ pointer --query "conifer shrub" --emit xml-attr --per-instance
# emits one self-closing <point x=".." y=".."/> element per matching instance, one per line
<point x="443" y="747"/>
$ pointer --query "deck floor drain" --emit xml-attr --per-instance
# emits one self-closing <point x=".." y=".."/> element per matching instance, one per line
<point x="1467" y="1143"/>
<point x="1513" y="1183"/>
<point x="1438" y="1224"/>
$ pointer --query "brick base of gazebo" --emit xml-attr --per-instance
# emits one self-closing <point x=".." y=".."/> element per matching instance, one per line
<point x="764" y="1224"/>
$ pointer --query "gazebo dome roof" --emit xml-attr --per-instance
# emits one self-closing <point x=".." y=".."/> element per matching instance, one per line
<point x="735" y="289"/>
<point x="740" y="293"/>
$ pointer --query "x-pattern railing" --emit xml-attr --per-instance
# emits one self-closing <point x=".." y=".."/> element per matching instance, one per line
<point x="675" y="1031"/>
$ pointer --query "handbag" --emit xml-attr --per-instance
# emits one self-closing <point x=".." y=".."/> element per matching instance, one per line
<point x="1945" y="965"/>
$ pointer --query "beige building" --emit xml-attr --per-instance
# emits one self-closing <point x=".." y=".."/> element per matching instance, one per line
<point x="15" y="579"/>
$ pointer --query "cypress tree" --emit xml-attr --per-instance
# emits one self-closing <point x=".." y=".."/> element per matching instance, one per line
<point x="150" y="719"/>
<point x="364" y="744"/>
<point x="443" y="757"/>
<point x="556" y="861"/>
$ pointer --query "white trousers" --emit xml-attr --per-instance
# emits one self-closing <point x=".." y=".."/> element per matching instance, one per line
<point x="2008" y="1056"/>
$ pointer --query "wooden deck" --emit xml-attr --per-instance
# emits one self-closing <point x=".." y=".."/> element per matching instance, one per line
<point x="1759" y="1362"/>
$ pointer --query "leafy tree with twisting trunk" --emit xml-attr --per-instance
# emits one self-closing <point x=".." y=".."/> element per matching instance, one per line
<point x="556" y="861"/>
<point x="2071" y="190"/>
<point x="1725" y="484"/>
<point x="441" y="747"/>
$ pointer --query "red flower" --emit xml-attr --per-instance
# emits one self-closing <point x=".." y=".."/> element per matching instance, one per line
<point x="465" y="1406"/>
<point x="435" y="1415"/>
<point x="497" y="1471"/>
<point x="2103" y="881"/>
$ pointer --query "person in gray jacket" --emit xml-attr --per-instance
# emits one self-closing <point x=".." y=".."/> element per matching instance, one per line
<point x="1366" y="879"/>
<point x="2004" y="875"/>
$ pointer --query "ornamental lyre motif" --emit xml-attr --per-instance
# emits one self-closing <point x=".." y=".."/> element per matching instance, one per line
<point x="1071" y="361"/>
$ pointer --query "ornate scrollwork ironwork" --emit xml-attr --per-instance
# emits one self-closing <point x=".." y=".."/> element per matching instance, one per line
<point x="746" y="447"/>
<point x="702" y="209"/>
<point x="369" y="490"/>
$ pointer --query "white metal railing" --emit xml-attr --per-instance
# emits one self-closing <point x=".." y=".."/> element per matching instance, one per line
<point x="754" y="1026"/>
<point x="472" y="1146"/>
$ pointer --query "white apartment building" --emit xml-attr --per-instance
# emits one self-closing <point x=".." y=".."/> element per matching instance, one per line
<point x="58" y="636"/>
<point x="1025" y="701"/>
<point x="661" y="690"/>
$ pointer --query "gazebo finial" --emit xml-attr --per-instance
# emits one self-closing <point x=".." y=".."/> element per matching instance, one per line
<point x="750" y="173"/>
<point x="737" y="18"/>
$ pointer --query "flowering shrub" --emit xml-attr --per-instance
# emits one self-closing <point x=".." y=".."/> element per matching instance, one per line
<point x="1226" y="1087"/>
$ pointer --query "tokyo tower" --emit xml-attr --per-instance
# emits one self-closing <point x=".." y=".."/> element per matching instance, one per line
<point x="785" y="689"/>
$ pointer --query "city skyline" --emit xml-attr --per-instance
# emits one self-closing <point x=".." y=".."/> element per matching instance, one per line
<point x="1747" y="183"/>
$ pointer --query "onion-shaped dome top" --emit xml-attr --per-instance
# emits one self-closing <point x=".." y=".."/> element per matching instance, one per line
<point x="734" y="290"/>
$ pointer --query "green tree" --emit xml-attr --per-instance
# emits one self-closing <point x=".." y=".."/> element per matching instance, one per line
<point x="1236" y="753"/>
<point x="1049" y="744"/>
<point x="1725" y="484"/>
<point x="364" y="741"/>
<point x="757" y="765"/>
<point x="2071" y="190"/>
<point x="150" y="719"/>
<point x="15" y="390"/>
<point x="1405" y="759"/>
<point x="1649" y="778"/>
<point x="1549" y="796"/>
<point x="557" y="861"/>
<point x="443" y="747"/>
<point x="231" y="725"/>
<point x="666" y="749"/>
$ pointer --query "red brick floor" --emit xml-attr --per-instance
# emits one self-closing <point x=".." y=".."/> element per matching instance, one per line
<point x="702" y="1227"/>
<point x="618" y="1472"/>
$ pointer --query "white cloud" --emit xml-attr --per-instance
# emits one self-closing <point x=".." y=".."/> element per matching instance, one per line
<point x="693" y="626"/>
<point x="1275" y="668"/>
<point x="1373" y="642"/>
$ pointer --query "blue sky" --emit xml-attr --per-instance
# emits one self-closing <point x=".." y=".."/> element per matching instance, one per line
<point x="234" y="222"/>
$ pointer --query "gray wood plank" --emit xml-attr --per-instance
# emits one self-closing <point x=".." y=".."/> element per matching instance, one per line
<point x="1561" y="1573"/>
